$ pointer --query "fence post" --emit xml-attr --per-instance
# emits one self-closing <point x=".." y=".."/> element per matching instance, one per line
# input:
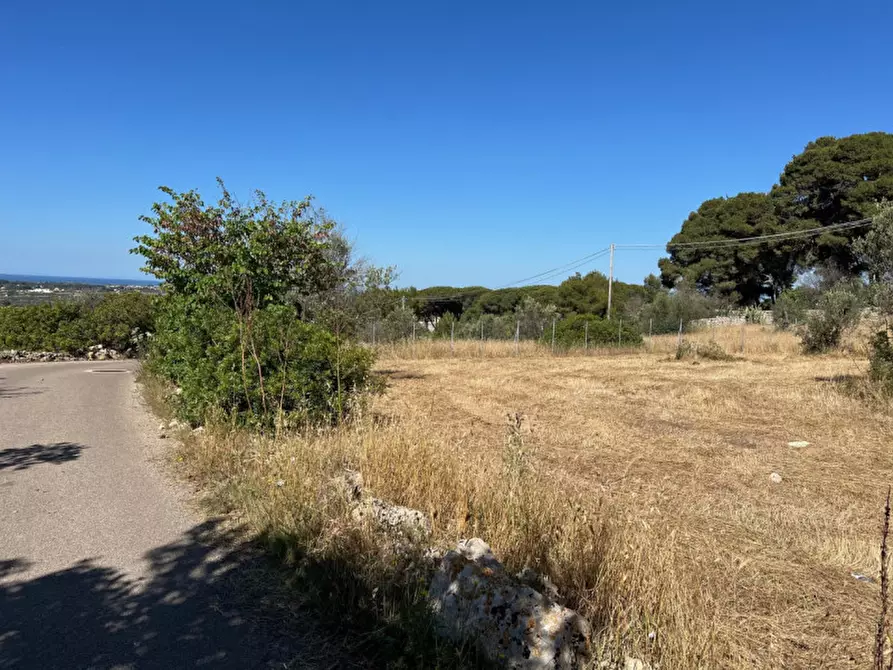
<point x="742" y="336"/>
<point x="517" y="338"/>
<point x="482" y="339"/>
<point x="585" y="336"/>
<point x="553" y="336"/>
<point x="679" y="341"/>
<point x="650" y="337"/>
<point x="452" y="332"/>
<point x="373" y="333"/>
<point x="620" y="332"/>
<point x="413" y="339"/>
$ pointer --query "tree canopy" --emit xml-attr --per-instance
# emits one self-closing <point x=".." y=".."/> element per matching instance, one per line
<point x="741" y="273"/>
<point x="245" y="255"/>
<point x="834" y="181"/>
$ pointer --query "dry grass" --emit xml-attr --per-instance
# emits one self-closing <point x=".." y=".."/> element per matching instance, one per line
<point x="747" y="340"/>
<point x="686" y="451"/>
<point x="644" y="490"/>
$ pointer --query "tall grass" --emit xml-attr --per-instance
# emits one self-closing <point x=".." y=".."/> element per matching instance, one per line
<point x="750" y="339"/>
<point x="606" y="564"/>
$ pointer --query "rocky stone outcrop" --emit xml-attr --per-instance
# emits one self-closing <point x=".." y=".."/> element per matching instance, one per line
<point x="394" y="519"/>
<point x="100" y="353"/>
<point x="515" y="626"/>
<point x="15" y="356"/>
<point x="97" y="352"/>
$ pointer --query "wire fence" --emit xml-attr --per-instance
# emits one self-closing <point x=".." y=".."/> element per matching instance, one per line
<point x="556" y="335"/>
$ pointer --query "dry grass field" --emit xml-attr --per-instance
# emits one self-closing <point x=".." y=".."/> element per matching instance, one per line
<point x="682" y="451"/>
<point x="639" y="482"/>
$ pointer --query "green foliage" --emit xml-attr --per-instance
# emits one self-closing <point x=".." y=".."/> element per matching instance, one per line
<point x="266" y="370"/>
<point x="584" y="294"/>
<point x="588" y="294"/>
<point x="359" y="296"/>
<point x="837" y="311"/>
<point x="881" y="362"/>
<point x="533" y="318"/>
<point x="833" y="181"/>
<point x="445" y="325"/>
<point x="663" y="313"/>
<point x="432" y="303"/>
<point x="742" y="274"/>
<point x="117" y="317"/>
<point x="571" y="332"/>
<point x="115" y="320"/>
<point x="492" y="327"/>
<point x="506" y="300"/>
<point x="237" y="280"/>
<point x="244" y="256"/>
<point x="792" y="307"/>
<point x="875" y="253"/>
<point x="396" y="326"/>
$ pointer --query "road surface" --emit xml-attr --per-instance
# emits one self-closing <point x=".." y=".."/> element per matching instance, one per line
<point x="103" y="564"/>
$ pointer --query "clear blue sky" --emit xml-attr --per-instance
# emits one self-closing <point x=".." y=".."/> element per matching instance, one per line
<point x="464" y="142"/>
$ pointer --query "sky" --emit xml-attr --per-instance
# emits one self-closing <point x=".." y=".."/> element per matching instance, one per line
<point x="465" y="143"/>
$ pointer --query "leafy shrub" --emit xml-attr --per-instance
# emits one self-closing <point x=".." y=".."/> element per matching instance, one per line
<point x="791" y="308"/>
<point x="228" y="332"/>
<point x="666" y="309"/>
<point x="837" y="311"/>
<point x="115" y="320"/>
<point x="396" y="326"/>
<point x="444" y="326"/>
<point x="533" y="318"/>
<point x="266" y="370"/>
<point x="881" y="361"/>
<point x="571" y="332"/>
<point x="494" y="327"/>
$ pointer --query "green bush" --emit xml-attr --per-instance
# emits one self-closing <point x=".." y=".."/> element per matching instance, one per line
<point x="836" y="312"/>
<point x="666" y="309"/>
<point x="571" y="332"/>
<point x="791" y="308"/>
<point x="266" y="370"/>
<point x="881" y="362"/>
<point x="445" y="325"/>
<point x="115" y="320"/>
<point x="494" y="327"/>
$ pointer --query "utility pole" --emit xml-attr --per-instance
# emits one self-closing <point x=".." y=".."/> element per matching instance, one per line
<point x="610" y="280"/>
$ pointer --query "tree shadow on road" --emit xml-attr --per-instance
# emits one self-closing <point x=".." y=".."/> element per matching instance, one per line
<point x="205" y="601"/>
<point x="22" y="458"/>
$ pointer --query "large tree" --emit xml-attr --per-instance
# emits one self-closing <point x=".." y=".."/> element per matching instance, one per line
<point x="705" y="252"/>
<point x="835" y="181"/>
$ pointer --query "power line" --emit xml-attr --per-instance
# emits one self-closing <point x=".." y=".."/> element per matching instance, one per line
<point x="706" y="244"/>
<point x="757" y="239"/>
<point x="564" y="268"/>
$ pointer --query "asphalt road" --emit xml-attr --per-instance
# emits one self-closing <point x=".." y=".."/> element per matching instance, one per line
<point x="103" y="563"/>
